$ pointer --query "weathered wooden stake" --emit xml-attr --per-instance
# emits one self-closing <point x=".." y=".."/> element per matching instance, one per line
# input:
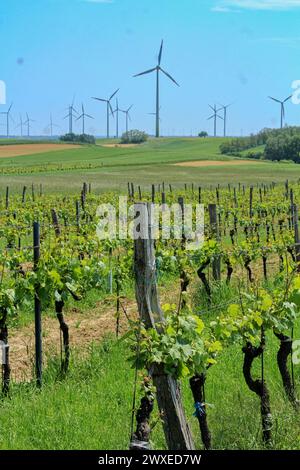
<point x="7" y="198"/>
<point x="216" y="265"/>
<point x="296" y="235"/>
<point x="37" y="308"/>
<point x="177" y="433"/>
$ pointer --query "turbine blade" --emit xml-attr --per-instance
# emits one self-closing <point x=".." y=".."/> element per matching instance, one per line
<point x="91" y="117"/>
<point x="144" y="73"/>
<point x="129" y="108"/>
<point x="211" y="117"/>
<point x="114" y="94"/>
<point x="211" y="108"/>
<point x="79" y="117"/>
<point x="111" y="110"/>
<point x="169" y="76"/>
<point x="288" y="98"/>
<point x="274" y="99"/>
<point x="160" y="52"/>
<point x="10" y="108"/>
<point x="99" y="99"/>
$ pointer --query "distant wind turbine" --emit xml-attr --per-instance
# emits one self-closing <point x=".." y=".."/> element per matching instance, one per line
<point x="225" y="107"/>
<point x="28" y="121"/>
<point x="157" y="69"/>
<point x="71" y="115"/>
<point x="214" y="116"/>
<point x="127" y="115"/>
<point x="21" y="123"/>
<point x="51" y="125"/>
<point x="117" y="110"/>
<point x="8" y="117"/>
<point x="282" y="111"/>
<point x="83" y="116"/>
<point x="108" y="109"/>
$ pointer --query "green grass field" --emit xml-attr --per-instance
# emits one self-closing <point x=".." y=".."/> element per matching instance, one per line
<point x="153" y="162"/>
<point x="91" y="407"/>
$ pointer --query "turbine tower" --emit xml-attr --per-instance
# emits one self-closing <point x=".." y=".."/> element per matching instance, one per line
<point x="157" y="69"/>
<point x="28" y="121"/>
<point x="21" y="123"/>
<point x="51" y="125"/>
<point x="282" y="111"/>
<point x="108" y="109"/>
<point x="8" y="117"/>
<point x="127" y="115"/>
<point x="117" y="110"/>
<point x="225" y="107"/>
<point x="214" y="117"/>
<point x="83" y="116"/>
<point x="71" y="115"/>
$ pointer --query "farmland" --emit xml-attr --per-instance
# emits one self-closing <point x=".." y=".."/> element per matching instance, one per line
<point x="111" y="168"/>
<point x="88" y="383"/>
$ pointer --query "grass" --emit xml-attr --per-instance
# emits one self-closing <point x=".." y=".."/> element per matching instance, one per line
<point x="91" y="407"/>
<point x="110" y="168"/>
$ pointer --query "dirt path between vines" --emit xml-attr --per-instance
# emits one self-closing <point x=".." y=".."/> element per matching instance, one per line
<point x="85" y="327"/>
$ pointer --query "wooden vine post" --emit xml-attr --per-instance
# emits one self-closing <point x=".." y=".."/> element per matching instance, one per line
<point x="177" y="432"/>
<point x="216" y="265"/>
<point x="296" y="235"/>
<point x="7" y="198"/>
<point x="37" y="308"/>
<point x="59" y="305"/>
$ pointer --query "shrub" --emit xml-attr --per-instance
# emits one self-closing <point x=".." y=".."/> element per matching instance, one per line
<point x="255" y="155"/>
<point x="203" y="134"/>
<point x="134" y="137"/>
<point x="81" y="138"/>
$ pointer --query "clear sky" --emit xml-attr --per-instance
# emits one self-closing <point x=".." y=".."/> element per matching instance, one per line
<point x="219" y="51"/>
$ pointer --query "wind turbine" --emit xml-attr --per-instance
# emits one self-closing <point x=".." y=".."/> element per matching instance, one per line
<point x="117" y="120"/>
<point x="51" y="125"/>
<point x="28" y="121"/>
<point x="108" y="109"/>
<point x="21" y="123"/>
<point x="127" y="115"/>
<point x="7" y="119"/>
<point x="71" y="115"/>
<point x="282" y="111"/>
<point x="225" y="107"/>
<point x="157" y="69"/>
<point x="214" y="117"/>
<point x="83" y="115"/>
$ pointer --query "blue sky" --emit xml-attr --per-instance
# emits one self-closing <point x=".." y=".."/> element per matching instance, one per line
<point x="218" y="50"/>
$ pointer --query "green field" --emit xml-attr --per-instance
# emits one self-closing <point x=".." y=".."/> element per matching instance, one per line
<point x="153" y="162"/>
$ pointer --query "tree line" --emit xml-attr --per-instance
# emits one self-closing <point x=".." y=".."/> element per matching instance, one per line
<point x="279" y="144"/>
